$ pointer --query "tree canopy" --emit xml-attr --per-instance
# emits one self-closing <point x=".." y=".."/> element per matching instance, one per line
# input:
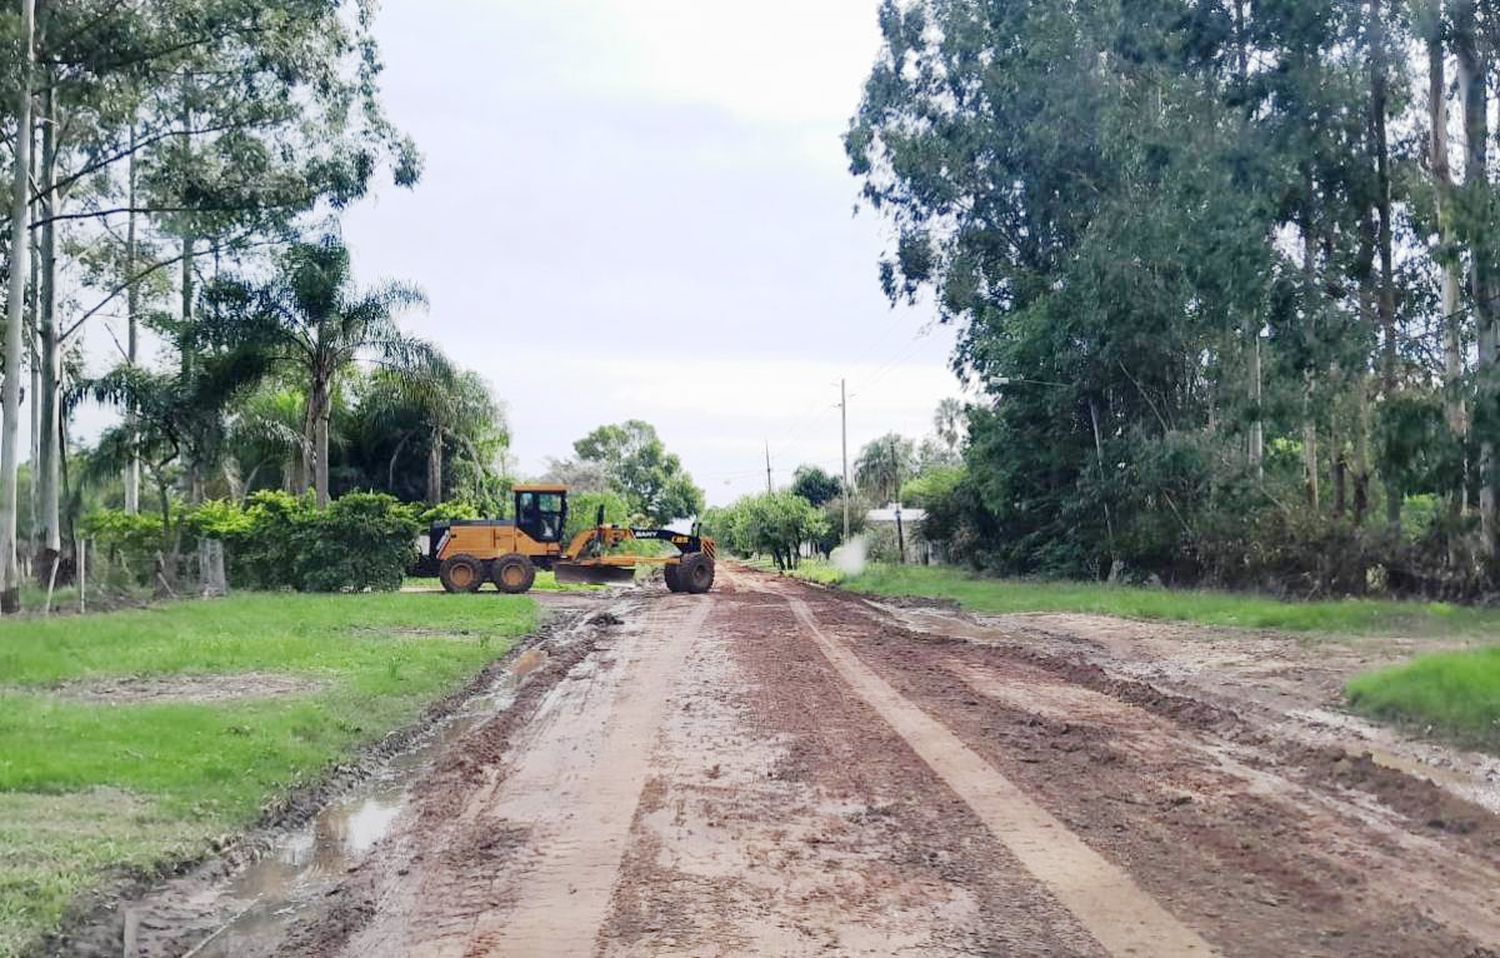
<point x="1224" y="288"/>
<point x="638" y="466"/>
<point x="815" y="485"/>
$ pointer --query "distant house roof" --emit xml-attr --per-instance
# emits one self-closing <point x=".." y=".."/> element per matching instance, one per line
<point x="888" y="514"/>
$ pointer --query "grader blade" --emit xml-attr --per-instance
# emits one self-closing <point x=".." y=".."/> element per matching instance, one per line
<point x="570" y="573"/>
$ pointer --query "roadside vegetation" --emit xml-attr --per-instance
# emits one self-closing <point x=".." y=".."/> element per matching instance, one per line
<point x="1358" y="617"/>
<point x="1222" y="333"/>
<point x="131" y="739"/>
<point x="1456" y="694"/>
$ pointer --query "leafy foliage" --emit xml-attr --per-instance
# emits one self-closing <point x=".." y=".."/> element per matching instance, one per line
<point x="363" y="541"/>
<point x="638" y="466"/>
<point x="883" y="464"/>
<point x="815" y="485"/>
<point x="1195" y="282"/>
<point x="776" y="524"/>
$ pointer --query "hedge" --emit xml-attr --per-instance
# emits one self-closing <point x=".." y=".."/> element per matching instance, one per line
<point x="276" y="540"/>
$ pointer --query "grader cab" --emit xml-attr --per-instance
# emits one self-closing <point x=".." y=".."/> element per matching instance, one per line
<point x="508" y="552"/>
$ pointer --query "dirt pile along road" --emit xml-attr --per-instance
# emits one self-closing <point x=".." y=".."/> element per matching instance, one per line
<point x="778" y="770"/>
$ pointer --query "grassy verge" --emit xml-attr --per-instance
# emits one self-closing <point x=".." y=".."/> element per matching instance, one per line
<point x="810" y="570"/>
<point x="1366" y="617"/>
<point x="1456" y="694"/>
<point x="88" y="787"/>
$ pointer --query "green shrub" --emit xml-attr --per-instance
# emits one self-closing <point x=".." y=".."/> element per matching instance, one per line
<point x="449" y="511"/>
<point x="267" y="555"/>
<point x="363" y="540"/>
<point x="130" y="540"/>
<point x="279" y="541"/>
<point x="774" y="524"/>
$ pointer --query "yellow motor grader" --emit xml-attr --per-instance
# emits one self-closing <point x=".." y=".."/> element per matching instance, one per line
<point x="507" y="552"/>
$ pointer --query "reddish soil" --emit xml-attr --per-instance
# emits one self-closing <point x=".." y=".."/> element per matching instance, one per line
<point x="774" y="769"/>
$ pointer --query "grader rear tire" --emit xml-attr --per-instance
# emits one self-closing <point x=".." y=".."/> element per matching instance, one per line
<point x="696" y="573"/>
<point x="461" y="573"/>
<point x="673" y="579"/>
<point x="513" y="573"/>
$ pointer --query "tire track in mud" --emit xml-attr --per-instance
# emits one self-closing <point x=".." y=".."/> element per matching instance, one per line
<point x="579" y="803"/>
<point x="785" y="819"/>
<point x="515" y="842"/>
<point x="1123" y="918"/>
<point x="1248" y="836"/>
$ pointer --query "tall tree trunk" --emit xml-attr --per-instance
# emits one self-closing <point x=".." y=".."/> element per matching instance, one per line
<point x="1455" y="408"/>
<point x="1335" y="443"/>
<point x="10" y="392"/>
<point x="1312" y="305"/>
<point x="435" y="466"/>
<point x="302" y="478"/>
<point x="132" y="338"/>
<point x="320" y="402"/>
<point x="34" y="359"/>
<point x="1256" y="442"/>
<point x="1379" y="100"/>
<point x="49" y="467"/>
<point x="1474" y="96"/>
<point x="1362" y="451"/>
<point x="188" y="356"/>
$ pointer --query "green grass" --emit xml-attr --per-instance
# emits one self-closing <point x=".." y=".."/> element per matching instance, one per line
<point x="1363" y="617"/>
<point x="85" y="788"/>
<point x="810" y="570"/>
<point x="1453" y="693"/>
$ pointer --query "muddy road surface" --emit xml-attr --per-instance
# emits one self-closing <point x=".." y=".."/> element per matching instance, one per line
<point x="774" y="769"/>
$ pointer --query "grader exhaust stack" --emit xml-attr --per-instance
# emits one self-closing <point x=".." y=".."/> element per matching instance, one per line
<point x="508" y="552"/>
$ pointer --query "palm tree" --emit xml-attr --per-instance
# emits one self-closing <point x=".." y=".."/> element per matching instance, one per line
<point x="321" y="325"/>
<point x="439" y="405"/>
<point x="883" y="464"/>
<point x="266" y="436"/>
<point x="179" y="414"/>
<point x="458" y="406"/>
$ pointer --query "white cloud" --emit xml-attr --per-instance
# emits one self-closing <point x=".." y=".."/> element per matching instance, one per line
<point x="778" y="62"/>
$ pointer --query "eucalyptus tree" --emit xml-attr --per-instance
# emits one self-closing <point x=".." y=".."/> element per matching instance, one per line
<point x="206" y="127"/>
<point x="10" y="578"/>
<point x="1201" y="253"/>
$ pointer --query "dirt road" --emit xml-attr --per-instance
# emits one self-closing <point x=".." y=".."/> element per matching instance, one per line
<point x="774" y="769"/>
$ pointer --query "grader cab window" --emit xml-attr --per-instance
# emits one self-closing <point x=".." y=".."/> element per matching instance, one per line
<point x="541" y="515"/>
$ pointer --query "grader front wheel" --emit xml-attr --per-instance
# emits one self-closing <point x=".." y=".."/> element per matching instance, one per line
<point x="695" y="573"/>
<point x="671" y="574"/>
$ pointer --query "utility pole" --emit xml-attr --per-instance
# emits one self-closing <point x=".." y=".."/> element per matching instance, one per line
<point x="844" y="429"/>
<point x="768" y="467"/>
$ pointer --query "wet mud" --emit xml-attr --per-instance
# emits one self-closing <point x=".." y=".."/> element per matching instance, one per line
<point x="773" y="769"/>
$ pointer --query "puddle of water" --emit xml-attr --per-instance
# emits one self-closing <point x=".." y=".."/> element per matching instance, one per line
<point x="268" y="896"/>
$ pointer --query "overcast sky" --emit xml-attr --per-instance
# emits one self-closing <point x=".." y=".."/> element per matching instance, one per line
<point x="641" y="209"/>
